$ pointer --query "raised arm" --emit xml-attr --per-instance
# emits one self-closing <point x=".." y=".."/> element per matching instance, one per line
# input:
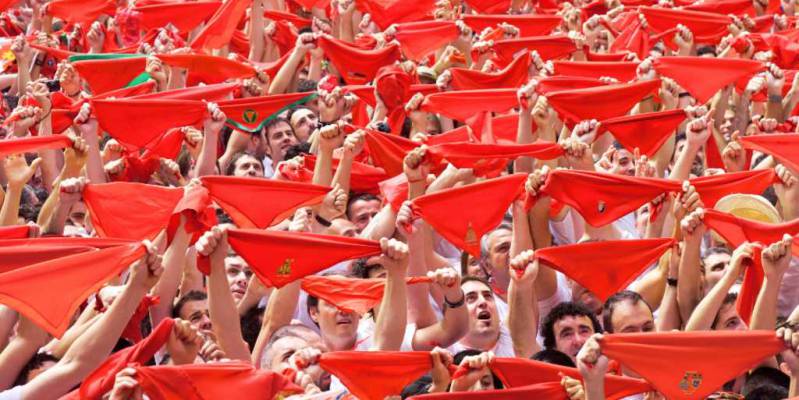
<point x="690" y="275"/>
<point x="167" y="287"/>
<point x="221" y="305"/>
<point x="523" y="305"/>
<point x="14" y="357"/>
<point x="392" y="316"/>
<point x="91" y="348"/>
<point x="18" y="173"/>
<point x="776" y="259"/>
<point x="212" y="125"/>
<point x="705" y="312"/>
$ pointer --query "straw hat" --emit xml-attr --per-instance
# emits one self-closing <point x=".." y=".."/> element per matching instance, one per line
<point x="748" y="206"/>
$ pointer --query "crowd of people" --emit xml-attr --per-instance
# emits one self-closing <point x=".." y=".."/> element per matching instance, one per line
<point x="454" y="199"/>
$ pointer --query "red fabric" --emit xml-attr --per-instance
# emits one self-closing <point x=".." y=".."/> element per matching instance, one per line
<point x="357" y="66"/>
<point x="388" y="151"/>
<point x="512" y="76"/>
<point x="634" y="39"/>
<point x="35" y="143"/>
<point x="387" y="371"/>
<point x="465" y="104"/>
<point x="516" y="372"/>
<point x="251" y="113"/>
<point x="100" y="243"/>
<point x="489" y="6"/>
<point x="394" y="191"/>
<point x="703" y="76"/>
<point x="418" y="39"/>
<point x="14" y="232"/>
<point x="219" y="29"/>
<point x="15" y="257"/>
<point x="737" y="230"/>
<point x="73" y="277"/>
<point x="350" y="294"/>
<point x="101" y="380"/>
<point x="473" y="222"/>
<point x="195" y="205"/>
<point x="364" y="178"/>
<point x="784" y="147"/>
<point x="279" y="258"/>
<point x="706" y="27"/>
<point x="260" y="203"/>
<point x="81" y="11"/>
<point x="750" y="286"/>
<point x="528" y="24"/>
<point x="107" y="75"/>
<point x="215" y="93"/>
<point x="298" y="21"/>
<point x="237" y="380"/>
<point x="207" y="68"/>
<point x="387" y="12"/>
<point x="601" y="102"/>
<point x="712" y="188"/>
<point x="605" y="267"/>
<point x="132" y="331"/>
<point x="475" y="155"/>
<point x="139" y="122"/>
<point x="553" y="84"/>
<point x="549" y="391"/>
<point x="724" y="7"/>
<point x="393" y="86"/>
<point x="548" y="47"/>
<point x="647" y="131"/>
<point x="130" y="210"/>
<point x="693" y="358"/>
<point x="367" y="93"/>
<point x="606" y="57"/>
<point x="623" y="71"/>
<point x="602" y="198"/>
<point x="184" y="16"/>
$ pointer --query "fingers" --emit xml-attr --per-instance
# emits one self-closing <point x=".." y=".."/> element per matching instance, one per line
<point x="394" y="249"/>
<point x="445" y="277"/>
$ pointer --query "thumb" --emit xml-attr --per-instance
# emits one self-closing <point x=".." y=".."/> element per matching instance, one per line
<point x="35" y="164"/>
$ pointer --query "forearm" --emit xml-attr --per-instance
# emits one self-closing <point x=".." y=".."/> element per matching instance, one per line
<point x="764" y="315"/>
<point x="392" y="317"/>
<point x="279" y="311"/>
<point x="689" y="279"/>
<point x="443" y="333"/>
<point x="523" y="318"/>
<point x="594" y="389"/>
<point x="256" y="30"/>
<point x="10" y="212"/>
<point x="682" y="167"/>
<point x="286" y="73"/>
<point x="206" y="162"/>
<point x="167" y="287"/>
<point x="524" y="135"/>
<point x="315" y="69"/>
<point x="702" y="317"/>
<point x="13" y="359"/>
<point x="343" y="172"/>
<point x="59" y="347"/>
<point x="322" y="173"/>
<point x="49" y="169"/>
<point x="669" y="314"/>
<point x="382" y="225"/>
<point x="55" y="223"/>
<point x="94" y="163"/>
<point x="420" y="311"/>
<point x="652" y="285"/>
<point x="224" y="317"/>
<point x="192" y="279"/>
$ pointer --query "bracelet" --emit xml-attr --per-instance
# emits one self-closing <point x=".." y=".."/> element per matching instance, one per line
<point x="671" y="282"/>
<point x="456" y="304"/>
<point x="322" y="221"/>
<point x="774" y="98"/>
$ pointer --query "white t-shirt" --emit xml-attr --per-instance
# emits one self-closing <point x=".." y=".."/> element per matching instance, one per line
<point x="15" y="393"/>
<point x="503" y="347"/>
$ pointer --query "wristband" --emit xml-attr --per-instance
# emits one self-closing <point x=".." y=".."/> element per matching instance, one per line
<point x="774" y="98"/>
<point x="456" y="304"/>
<point x="322" y="221"/>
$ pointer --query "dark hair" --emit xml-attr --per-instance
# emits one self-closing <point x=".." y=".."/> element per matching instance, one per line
<point x="612" y="301"/>
<point x="552" y="356"/>
<point x="617" y="145"/>
<point x="298" y="149"/>
<point x="274" y="122"/>
<point x="230" y="169"/>
<point x="765" y="377"/>
<point x="35" y="362"/>
<point x="770" y="194"/>
<point x="730" y="298"/>
<point x="383" y="127"/>
<point x="251" y="325"/>
<point x="194" y="295"/>
<point x="560" y="311"/>
<point x="418" y="387"/>
<point x="361" y="269"/>
<point x="358" y="197"/>
<point x="767" y="392"/>
<point x="709" y="252"/>
<point x="473" y="278"/>
<point x="702" y="50"/>
<point x="294" y="109"/>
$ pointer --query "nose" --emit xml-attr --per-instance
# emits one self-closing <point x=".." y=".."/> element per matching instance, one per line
<point x="205" y="324"/>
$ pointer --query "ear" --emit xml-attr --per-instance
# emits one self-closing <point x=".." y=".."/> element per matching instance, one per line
<point x="313" y="311"/>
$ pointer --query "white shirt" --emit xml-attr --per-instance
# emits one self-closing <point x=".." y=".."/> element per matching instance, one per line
<point x="15" y="393"/>
<point x="503" y="347"/>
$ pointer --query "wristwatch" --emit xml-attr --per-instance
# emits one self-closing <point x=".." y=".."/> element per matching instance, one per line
<point x="322" y="221"/>
<point x="448" y="304"/>
<point x="671" y="282"/>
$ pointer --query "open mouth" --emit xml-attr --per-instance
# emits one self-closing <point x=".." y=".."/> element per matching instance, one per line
<point x="343" y="321"/>
<point x="484" y="316"/>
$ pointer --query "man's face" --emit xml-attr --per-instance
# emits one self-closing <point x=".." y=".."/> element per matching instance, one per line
<point x="334" y="322"/>
<point x="498" y="248"/>
<point x="280" y="358"/>
<point x="475" y="269"/>
<point x="362" y="212"/>
<point x="622" y="163"/>
<point x="304" y="121"/>
<point x="715" y="265"/>
<point x="571" y="332"/>
<point x="727" y="124"/>
<point x="342" y="227"/>
<point x="483" y="318"/>
<point x="196" y="312"/>
<point x="280" y="137"/>
<point x="729" y="320"/>
<point x="248" y="166"/>
<point x="238" y="275"/>
<point x="632" y="318"/>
